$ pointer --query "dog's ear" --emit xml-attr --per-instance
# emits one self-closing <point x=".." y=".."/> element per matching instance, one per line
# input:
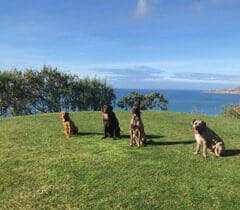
<point x="204" y="123"/>
<point x="193" y="121"/>
<point x="110" y="108"/>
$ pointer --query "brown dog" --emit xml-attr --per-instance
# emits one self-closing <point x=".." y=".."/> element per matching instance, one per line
<point x="69" y="127"/>
<point x="137" y="134"/>
<point x="110" y="123"/>
<point x="208" y="138"/>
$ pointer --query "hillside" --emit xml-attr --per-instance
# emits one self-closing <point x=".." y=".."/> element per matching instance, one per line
<point x="224" y="91"/>
<point x="41" y="169"/>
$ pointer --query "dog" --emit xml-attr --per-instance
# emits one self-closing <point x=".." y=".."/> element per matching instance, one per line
<point x="137" y="134"/>
<point x="208" y="138"/>
<point x="110" y="123"/>
<point x="69" y="127"/>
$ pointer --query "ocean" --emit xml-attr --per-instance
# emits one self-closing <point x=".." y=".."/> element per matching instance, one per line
<point x="189" y="101"/>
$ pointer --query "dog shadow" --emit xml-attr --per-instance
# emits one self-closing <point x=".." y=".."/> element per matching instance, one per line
<point x="96" y="133"/>
<point x="147" y="136"/>
<point x="158" y="143"/>
<point x="154" y="137"/>
<point x="231" y="152"/>
<point x="88" y="133"/>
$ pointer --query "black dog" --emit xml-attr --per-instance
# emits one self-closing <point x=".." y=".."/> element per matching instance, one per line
<point x="110" y="122"/>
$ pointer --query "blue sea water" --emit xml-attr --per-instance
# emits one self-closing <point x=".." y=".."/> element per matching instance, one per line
<point x="190" y="101"/>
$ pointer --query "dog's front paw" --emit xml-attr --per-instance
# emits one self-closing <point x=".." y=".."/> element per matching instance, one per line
<point x="195" y="153"/>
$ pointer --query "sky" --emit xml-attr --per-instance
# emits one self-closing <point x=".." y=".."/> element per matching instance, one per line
<point x="145" y="44"/>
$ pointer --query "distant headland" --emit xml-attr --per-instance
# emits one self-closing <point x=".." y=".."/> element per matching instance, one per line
<point x="224" y="91"/>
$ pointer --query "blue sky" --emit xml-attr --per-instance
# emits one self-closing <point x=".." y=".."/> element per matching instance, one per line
<point x="177" y="44"/>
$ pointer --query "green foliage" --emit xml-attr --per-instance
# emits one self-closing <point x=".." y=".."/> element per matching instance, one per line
<point x="232" y="111"/>
<point x="42" y="169"/>
<point x="50" y="90"/>
<point x="153" y="100"/>
<point x="13" y="94"/>
<point x="92" y="94"/>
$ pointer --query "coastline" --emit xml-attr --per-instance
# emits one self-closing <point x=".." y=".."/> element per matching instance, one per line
<point x="223" y="91"/>
<point x="189" y="101"/>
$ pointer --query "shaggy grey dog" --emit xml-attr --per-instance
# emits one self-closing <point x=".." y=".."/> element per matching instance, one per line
<point x="208" y="138"/>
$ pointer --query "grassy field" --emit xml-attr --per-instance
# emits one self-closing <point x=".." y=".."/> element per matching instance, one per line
<point x="41" y="169"/>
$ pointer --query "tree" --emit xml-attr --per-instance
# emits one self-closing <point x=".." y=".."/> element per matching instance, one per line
<point x="47" y="89"/>
<point x="101" y="94"/>
<point x="50" y="90"/>
<point x="13" y="95"/>
<point x="153" y="100"/>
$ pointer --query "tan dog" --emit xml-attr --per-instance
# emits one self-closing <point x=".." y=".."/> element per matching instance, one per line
<point x="208" y="138"/>
<point x="69" y="126"/>
<point x="137" y="134"/>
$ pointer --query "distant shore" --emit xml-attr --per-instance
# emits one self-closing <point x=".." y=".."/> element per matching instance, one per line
<point x="224" y="91"/>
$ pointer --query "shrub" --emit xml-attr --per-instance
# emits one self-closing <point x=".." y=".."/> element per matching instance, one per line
<point x="232" y="111"/>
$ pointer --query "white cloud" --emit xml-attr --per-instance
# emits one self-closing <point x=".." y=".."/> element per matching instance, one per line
<point x="142" y="8"/>
<point x="197" y="78"/>
<point x="149" y="74"/>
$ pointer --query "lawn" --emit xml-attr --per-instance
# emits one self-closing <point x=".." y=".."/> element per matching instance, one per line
<point x="42" y="169"/>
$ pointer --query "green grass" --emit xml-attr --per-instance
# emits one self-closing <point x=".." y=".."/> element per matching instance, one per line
<point x="41" y="169"/>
